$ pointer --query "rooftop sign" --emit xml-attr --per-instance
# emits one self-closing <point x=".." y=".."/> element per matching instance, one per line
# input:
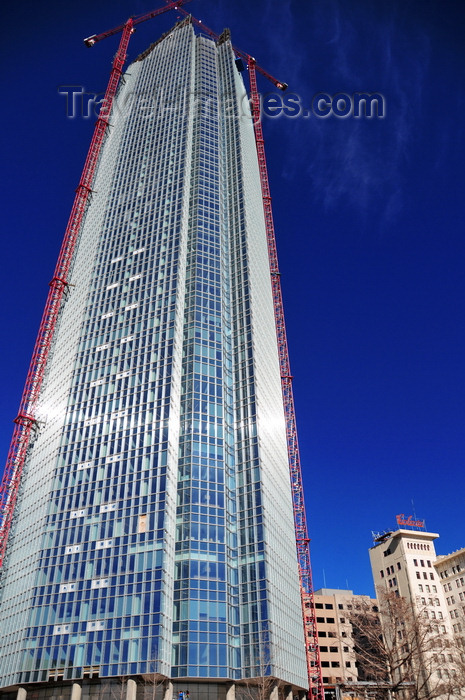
<point x="409" y="521"/>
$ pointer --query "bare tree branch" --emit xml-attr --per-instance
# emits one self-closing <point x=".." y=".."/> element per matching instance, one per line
<point x="402" y="653"/>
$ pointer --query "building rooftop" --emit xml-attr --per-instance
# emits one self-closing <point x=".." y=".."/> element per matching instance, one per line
<point x="419" y="534"/>
<point x="442" y="558"/>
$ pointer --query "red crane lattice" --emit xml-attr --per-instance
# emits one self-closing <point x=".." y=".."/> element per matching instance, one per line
<point x="26" y="418"/>
<point x="300" y="522"/>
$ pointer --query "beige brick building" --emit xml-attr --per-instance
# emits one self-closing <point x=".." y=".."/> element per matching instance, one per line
<point x="338" y="658"/>
<point x="451" y="571"/>
<point x="404" y="562"/>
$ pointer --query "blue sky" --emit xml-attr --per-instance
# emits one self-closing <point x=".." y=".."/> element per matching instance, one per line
<point x="369" y="222"/>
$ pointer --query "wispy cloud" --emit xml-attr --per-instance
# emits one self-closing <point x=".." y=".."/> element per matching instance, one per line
<point x="357" y="162"/>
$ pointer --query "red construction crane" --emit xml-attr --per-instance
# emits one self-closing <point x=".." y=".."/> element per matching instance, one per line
<point x="26" y="420"/>
<point x="238" y="52"/>
<point x="315" y="679"/>
<point x="300" y="523"/>
<point x="91" y="40"/>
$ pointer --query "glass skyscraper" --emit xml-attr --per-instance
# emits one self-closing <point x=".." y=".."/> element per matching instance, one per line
<point x="154" y="534"/>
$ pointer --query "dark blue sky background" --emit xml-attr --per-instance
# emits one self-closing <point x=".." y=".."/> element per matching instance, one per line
<point x="369" y="221"/>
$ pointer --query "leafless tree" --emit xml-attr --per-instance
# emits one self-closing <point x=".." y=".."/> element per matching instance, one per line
<point x="154" y="682"/>
<point x="114" y="689"/>
<point x="261" y="685"/>
<point x="455" y="674"/>
<point x="399" y="651"/>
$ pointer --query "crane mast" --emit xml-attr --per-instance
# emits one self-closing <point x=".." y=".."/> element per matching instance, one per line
<point x="26" y="421"/>
<point x="300" y="522"/>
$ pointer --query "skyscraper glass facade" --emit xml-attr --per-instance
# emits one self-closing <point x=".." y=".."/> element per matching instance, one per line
<point x="154" y="527"/>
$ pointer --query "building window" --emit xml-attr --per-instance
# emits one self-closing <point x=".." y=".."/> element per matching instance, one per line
<point x="347" y="664"/>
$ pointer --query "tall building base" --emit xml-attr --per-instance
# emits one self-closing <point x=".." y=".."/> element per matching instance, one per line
<point x="146" y="688"/>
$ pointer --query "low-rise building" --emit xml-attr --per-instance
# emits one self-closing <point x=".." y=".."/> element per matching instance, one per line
<point x="405" y="565"/>
<point x="451" y="570"/>
<point x="339" y="660"/>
